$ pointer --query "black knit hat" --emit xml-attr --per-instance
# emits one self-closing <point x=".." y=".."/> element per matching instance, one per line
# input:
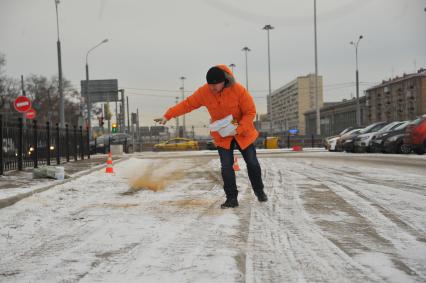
<point x="215" y="75"/>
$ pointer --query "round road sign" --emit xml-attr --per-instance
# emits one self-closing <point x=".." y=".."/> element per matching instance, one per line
<point x="22" y="104"/>
<point x="30" y="114"/>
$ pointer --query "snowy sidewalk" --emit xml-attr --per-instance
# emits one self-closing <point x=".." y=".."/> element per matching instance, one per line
<point x="16" y="185"/>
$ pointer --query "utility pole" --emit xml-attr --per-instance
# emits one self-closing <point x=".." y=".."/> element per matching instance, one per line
<point x="116" y="111"/>
<point x="89" y="104"/>
<point x="177" y="120"/>
<point x="22" y="86"/>
<point x="183" y="98"/>
<point x="123" y="113"/>
<point x="137" y="125"/>
<point x="358" y="110"/>
<point x="232" y="66"/>
<point x="60" y="88"/>
<point x="316" y="73"/>
<point x="128" y="115"/>
<point x="246" y="49"/>
<point x="49" y="114"/>
<point x="24" y="120"/>
<point x="108" y="115"/>
<point x="268" y="28"/>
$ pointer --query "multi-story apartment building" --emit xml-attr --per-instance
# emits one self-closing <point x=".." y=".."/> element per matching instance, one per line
<point x="291" y="101"/>
<point x="401" y="98"/>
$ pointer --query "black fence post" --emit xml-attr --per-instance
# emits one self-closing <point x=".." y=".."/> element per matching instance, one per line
<point x="35" y="144"/>
<point x="312" y="140"/>
<point x="48" y="142"/>
<point x="75" y="142"/>
<point x="109" y="143"/>
<point x="58" y="153"/>
<point x="125" y="146"/>
<point x="88" y="142"/>
<point x="1" y="146"/>
<point x="81" y="144"/>
<point x="67" y="143"/>
<point x="20" y="143"/>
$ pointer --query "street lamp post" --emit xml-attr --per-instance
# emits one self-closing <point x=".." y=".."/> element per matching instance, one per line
<point x="89" y="105"/>
<point x="232" y="66"/>
<point x="246" y="49"/>
<point x="177" y="120"/>
<point x="183" y="98"/>
<point x="268" y="28"/>
<point x="358" y="110"/>
<point x="317" y="104"/>
<point x="60" y="87"/>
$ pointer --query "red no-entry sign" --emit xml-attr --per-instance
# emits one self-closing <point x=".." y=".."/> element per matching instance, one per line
<point x="30" y="114"/>
<point x="22" y="104"/>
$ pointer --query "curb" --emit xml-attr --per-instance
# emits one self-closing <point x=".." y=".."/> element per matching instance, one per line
<point x="12" y="200"/>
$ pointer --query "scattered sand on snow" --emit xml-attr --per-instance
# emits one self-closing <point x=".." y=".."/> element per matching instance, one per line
<point x="153" y="179"/>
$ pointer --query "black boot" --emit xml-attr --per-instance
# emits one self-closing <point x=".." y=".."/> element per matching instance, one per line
<point x="261" y="196"/>
<point x="229" y="203"/>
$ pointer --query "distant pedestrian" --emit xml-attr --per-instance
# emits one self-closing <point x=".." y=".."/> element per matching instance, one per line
<point x="223" y="96"/>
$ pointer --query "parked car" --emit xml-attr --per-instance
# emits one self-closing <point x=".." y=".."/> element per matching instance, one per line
<point x="211" y="145"/>
<point x="377" y="142"/>
<point x="349" y="144"/>
<point x="415" y="135"/>
<point x="101" y="143"/>
<point x="347" y="136"/>
<point x="330" y="142"/>
<point x="41" y="149"/>
<point x="395" y="144"/>
<point x="363" y="141"/>
<point x="177" y="144"/>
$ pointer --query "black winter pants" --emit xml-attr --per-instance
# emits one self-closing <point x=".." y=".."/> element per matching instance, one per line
<point x="228" y="173"/>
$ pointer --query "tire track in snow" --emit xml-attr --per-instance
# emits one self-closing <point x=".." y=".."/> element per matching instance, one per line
<point x="379" y="233"/>
<point x="285" y="246"/>
<point x="347" y="183"/>
<point x="395" y="184"/>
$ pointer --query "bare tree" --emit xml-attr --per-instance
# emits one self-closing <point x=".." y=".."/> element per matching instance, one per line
<point x="44" y="96"/>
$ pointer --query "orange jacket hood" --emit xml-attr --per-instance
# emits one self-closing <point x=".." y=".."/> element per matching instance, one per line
<point x="229" y="76"/>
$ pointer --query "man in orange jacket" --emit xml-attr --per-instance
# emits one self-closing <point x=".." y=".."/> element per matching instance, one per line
<point x="223" y="96"/>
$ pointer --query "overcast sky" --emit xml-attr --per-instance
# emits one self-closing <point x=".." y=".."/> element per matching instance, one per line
<point x="153" y="43"/>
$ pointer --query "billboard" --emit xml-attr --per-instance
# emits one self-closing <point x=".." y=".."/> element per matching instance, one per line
<point x="100" y="90"/>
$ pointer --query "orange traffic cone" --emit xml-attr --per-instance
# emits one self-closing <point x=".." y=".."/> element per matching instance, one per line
<point x="236" y="166"/>
<point x="109" y="168"/>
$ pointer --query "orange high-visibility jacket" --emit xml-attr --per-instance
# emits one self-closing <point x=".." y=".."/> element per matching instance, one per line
<point x="234" y="99"/>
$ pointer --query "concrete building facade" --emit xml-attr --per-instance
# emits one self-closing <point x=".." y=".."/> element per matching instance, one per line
<point x="291" y="101"/>
<point x="398" y="99"/>
<point x="335" y="117"/>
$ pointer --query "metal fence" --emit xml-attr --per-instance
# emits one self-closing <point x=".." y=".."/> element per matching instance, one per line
<point x="286" y="140"/>
<point x="30" y="144"/>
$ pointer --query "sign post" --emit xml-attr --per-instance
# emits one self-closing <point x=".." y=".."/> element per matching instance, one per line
<point x="30" y="114"/>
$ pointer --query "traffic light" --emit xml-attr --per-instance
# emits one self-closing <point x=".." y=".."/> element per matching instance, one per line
<point x="114" y="128"/>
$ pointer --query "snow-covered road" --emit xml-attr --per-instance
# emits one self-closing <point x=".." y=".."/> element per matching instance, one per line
<point x="330" y="217"/>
